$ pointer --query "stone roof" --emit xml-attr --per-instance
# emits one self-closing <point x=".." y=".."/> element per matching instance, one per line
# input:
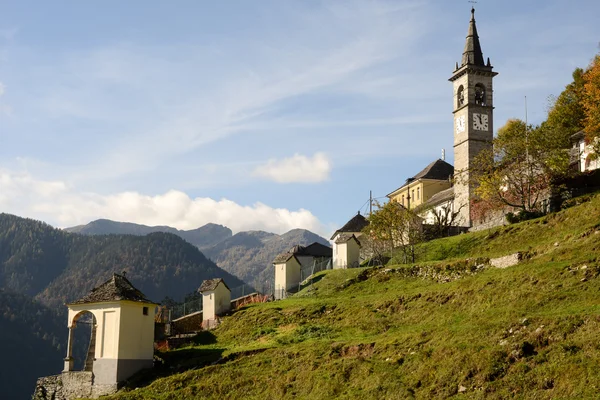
<point x="438" y="170"/>
<point x="345" y="237"/>
<point x="315" y="249"/>
<point x="578" y="136"/>
<point x="211" y="284"/>
<point x="472" y="54"/>
<point x="283" y="257"/>
<point x="356" y="224"/>
<point x="115" y="289"/>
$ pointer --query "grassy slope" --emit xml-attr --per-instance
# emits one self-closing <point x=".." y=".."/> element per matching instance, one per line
<point x="529" y="331"/>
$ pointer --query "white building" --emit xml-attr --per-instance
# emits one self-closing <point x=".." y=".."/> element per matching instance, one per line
<point x="216" y="300"/>
<point x="582" y="156"/>
<point x="344" y="254"/>
<point x="287" y="274"/>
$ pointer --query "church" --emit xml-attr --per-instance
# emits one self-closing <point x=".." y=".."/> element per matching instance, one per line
<point x="441" y="187"/>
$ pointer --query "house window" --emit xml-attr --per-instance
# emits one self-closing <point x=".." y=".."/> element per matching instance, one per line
<point x="418" y="193"/>
<point x="402" y="199"/>
<point x="413" y="193"/>
<point x="210" y="296"/>
<point x="145" y="310"/>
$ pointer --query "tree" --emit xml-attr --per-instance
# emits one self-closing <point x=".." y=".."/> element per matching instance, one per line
<point x="392" y="225"/>
<point x="566" y="112"/>
<point x="443" y="218"/>
<point x="591" y="103"/>
<point x="520" y="168"/>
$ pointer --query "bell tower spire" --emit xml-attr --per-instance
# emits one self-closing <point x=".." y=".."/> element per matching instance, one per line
<point x="473" y="117"/>
<point x="472" y="53"/>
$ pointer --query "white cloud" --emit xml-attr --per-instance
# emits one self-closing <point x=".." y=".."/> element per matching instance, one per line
<point x="60" y="204"/>
<point x="297" y="168"/>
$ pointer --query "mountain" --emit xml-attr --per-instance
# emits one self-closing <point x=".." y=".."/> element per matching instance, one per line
<point x="42" y="268"/>
<point x="203" y="237"/>
<point x="249" y="255"/>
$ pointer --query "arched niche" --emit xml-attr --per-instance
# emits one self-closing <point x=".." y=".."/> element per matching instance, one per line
<point x="460" y="96"/>
<point x="480" y="95"/>
<point x="82" y="341"/>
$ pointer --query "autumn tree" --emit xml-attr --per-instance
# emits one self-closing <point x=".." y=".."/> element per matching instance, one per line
<point x="520" y="168"/>
<point x="566" y="112"/>
<point x="394" y="226"/>
<point x="591" y="103"/>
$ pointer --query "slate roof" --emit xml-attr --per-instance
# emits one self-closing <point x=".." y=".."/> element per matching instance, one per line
<point x="438" y="170"/>
<point x="315" y="249"/>
<point x="356" y="224"/>
<point x="440" y="197"/>
<point x="578" y="135"/>
<point x="472" y="54"/>
<point x="211" y="284"/>
<point x="345" y="237"/>
<point x="116" y="288"/>
<point x="283" y="257"/>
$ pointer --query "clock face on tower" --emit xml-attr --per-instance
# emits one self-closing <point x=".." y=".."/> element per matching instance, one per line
<point x="460" y="124"/>
<point x="480" y="122"/>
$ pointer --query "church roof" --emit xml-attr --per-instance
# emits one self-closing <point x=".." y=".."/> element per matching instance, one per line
<point x="211" y="284"/>
<point x="115" y="289"/>
<point x="440" y="197"/>
<point x="356" y="224"/>
<point x="439" y="170"/>
<point x="472" y="54"/>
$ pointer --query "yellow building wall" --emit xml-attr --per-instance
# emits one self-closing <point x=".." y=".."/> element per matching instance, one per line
<point x="420" y="191"/>
<point x="136" y="331"/>
<point x="108" y="318"/>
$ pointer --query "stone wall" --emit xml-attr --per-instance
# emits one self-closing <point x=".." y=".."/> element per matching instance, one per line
<point x="70" y="385"/>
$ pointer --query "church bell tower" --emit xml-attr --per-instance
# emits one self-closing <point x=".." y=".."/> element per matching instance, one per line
<point x="473" y="117"/>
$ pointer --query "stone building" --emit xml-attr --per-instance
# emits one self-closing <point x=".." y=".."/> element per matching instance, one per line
<point x="121" y="344"/>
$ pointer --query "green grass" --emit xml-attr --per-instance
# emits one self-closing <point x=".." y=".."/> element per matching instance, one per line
<point x="528" y="331"/>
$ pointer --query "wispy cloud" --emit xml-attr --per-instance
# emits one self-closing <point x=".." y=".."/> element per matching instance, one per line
<point x="296" y="169"/>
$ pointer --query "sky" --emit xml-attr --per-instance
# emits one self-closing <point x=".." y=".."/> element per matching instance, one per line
<point x="258" y="115"/>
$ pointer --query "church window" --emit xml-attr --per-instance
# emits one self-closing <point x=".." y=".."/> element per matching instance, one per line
<point x="460" y="96"/>
<point x="480" y="94"/>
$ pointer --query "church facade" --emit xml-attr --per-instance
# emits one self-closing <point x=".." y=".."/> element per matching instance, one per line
<point x="441" y="186"/>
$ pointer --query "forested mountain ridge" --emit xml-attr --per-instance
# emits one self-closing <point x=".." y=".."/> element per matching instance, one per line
<point x="202" y="237"/>
<point x="34" y="341"/>
<point x="57" y="267"/>
<point x="247" y="255"/>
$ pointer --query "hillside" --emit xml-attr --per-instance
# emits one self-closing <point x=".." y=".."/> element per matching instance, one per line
<point x="249" y="255"/>
<point x="203" y="237"/>
<point x="449" y="327"/>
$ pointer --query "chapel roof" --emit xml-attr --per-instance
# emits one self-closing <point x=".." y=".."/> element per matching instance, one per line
<point x="283" y="257"/>
<point x="211" y="284"/>
<point x="345" y="237"/>
<point x="116" y="288"/>
<point x="356" y="224"/>
<point x="315" y="249"/>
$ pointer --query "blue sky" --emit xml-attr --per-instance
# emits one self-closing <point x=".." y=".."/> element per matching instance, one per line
<point x="256" y="115"/>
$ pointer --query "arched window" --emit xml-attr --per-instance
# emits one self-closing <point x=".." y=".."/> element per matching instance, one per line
<point x="460" y="96"/>
<point x="480" y="94"/>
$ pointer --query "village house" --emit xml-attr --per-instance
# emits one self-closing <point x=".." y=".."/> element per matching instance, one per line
<point x="216" y="300"/>
<point x="583" y="157"/>
<point x="346" y="241"/>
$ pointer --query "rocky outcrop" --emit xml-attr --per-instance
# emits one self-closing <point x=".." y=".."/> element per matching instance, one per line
<point x="506" y="261"/>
